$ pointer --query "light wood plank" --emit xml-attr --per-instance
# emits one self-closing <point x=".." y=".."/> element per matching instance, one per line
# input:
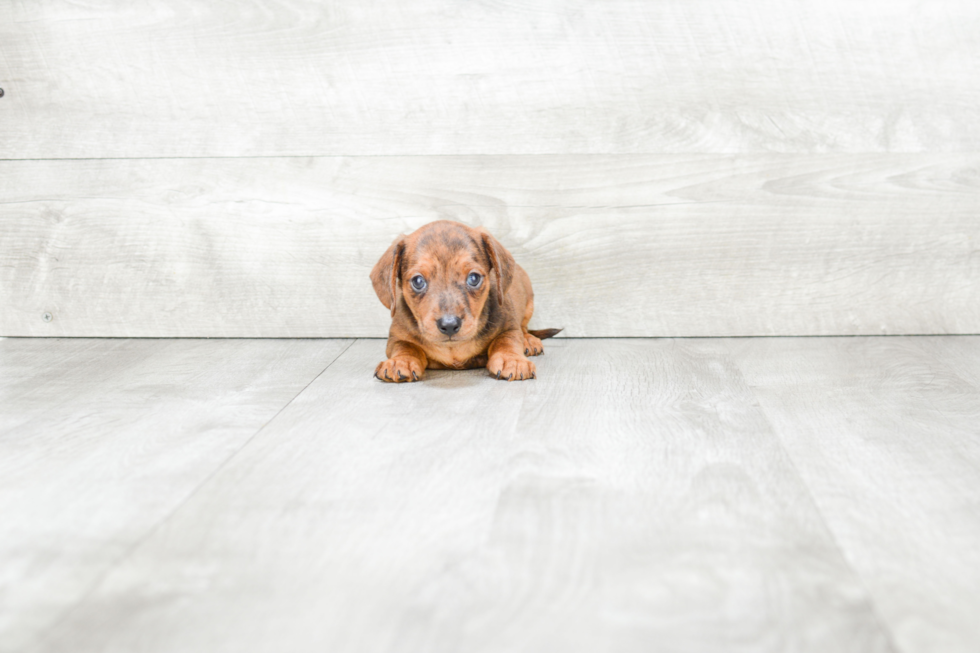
<point x="886" y="436"/>
<point x="632" y="495"/>
<point x="297" y="77"/>
<point x="101" y="439"/>
<point x="959" y="355"/>
<point x="615" y="245"/>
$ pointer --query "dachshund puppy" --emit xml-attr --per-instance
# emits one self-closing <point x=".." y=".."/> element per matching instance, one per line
<point x="458" y="300"/>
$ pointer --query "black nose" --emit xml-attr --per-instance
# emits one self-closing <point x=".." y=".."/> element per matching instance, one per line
<point x="449" y="324"/>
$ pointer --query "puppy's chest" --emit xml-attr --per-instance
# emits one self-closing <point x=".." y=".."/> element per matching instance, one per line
<point x="461" y="357"/>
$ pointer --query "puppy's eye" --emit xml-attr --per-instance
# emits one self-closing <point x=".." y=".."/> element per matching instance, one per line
<point x="473" y="281"/>
<point x="418" y="283"/>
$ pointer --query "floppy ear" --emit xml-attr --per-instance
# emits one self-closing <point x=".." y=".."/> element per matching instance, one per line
<point x="386" y="273"/>
<point x="501" y="263"/>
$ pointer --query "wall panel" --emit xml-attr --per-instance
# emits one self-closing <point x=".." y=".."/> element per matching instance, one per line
<point x="626" y="245"/>
<point x="293" y="77"/>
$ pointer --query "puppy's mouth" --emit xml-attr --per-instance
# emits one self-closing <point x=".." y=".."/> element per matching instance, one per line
<point x="454" y="339"/>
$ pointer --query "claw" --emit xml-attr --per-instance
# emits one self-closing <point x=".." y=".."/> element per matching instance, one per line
<point x="534" y="375"/>
<point x="526" y="352"/>
<point x="498" y="373"/>
<point x="386" y="374"/>
<point x="522" y="376"/>
<point x="414" y="378"/>
<point x="511" y="376"/>
<point x="399" y="373"/>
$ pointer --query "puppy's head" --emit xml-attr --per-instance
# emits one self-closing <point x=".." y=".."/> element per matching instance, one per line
<point x="442" y="277"/>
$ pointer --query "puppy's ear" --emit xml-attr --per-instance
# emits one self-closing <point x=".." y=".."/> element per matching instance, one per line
<point x="501" y="263"/>
<point x="387" y="272"/>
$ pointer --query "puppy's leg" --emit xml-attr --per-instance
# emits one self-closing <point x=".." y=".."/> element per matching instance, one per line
<point x="532" y="344"/>
<point x="506" y="357"/>
<point x="406" y="362"/>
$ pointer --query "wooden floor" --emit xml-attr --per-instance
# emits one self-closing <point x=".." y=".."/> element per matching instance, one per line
<point x="768" y="494"/>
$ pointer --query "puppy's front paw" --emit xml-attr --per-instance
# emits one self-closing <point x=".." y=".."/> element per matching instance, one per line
<point x="510" y="367"/>
<point x="532" y="345"/>
<point x="399" y="369"/>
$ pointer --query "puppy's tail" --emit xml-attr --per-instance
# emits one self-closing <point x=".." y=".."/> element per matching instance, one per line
<point x="544" y="333"/>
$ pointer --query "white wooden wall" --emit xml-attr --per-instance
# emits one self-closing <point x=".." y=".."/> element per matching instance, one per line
<point x="234" y="168"/>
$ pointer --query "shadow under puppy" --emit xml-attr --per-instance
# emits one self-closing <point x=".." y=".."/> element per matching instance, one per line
<point x="458" y="300"/>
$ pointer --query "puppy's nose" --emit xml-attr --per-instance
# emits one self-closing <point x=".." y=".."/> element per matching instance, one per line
<point x="449" y="324"/>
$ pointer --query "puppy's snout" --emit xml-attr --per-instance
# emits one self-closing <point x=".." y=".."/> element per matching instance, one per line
<point x="449" y="324"/>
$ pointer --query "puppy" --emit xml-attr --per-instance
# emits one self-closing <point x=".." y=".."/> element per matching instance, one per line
<point x="458" y="300"/>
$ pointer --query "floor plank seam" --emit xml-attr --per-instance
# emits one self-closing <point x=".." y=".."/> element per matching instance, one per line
<point x="156" y="527"/>
<point x="872" y="603"/>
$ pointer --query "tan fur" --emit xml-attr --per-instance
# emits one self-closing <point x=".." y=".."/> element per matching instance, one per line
<point x="495" y="314"/>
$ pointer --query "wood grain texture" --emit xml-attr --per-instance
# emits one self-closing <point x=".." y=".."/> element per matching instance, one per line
<point x="634" y="494"/>
<point x="884" y="432"/>
<point x="100" y="440"/>
<point x="297" y="77"/>
<point x="615" y="245"/>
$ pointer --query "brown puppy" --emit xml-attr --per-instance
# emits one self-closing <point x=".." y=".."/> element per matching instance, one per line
<point x="458" y="300"/>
